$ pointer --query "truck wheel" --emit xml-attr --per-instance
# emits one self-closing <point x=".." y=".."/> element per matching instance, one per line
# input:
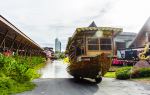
<point x="76" y="78"/>
<point x="98" y="80"/>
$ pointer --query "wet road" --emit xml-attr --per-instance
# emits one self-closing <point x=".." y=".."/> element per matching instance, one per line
<point x="56" y="81"/>
<point x="56" y="69"/>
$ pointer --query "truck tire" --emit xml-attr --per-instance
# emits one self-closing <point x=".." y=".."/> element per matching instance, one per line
<point x="76" y="77"/>
<point x="98" y="80"/>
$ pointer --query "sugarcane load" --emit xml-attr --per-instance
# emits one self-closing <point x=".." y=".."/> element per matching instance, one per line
<point x="90" y="50"/>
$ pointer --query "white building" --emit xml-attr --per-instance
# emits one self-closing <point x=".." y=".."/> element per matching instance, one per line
<point x="124" y="39"/>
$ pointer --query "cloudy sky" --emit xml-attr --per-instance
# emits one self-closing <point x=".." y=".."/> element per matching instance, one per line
<point x="44" y="20"/>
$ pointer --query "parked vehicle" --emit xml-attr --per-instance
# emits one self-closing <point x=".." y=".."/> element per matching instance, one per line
<point x="89" y="51"/>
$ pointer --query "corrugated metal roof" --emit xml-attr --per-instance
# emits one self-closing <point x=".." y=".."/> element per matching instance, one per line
<point x="145" y="28"/>
<point x="93" y="24"/>
<point x="84" y="29"/>
<point x="14" y="29"/>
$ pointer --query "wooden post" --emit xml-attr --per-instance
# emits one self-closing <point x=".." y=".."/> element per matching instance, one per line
<point x="85" y="44"/>
<point x="113" y="48"/>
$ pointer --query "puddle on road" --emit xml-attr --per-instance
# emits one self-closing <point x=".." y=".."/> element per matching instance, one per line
<point x="55" y="69"/>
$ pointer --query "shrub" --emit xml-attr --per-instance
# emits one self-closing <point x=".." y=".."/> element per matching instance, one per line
<point x="20" y="69"/>
<point x="9" y="86"/>
<point x="32" y="74"/>
<point x="5" y="85"/>
<point x="144" y="72"/>
<point x="66" y="60"/>
<point x="123" y="73"/>
<point x="6" y="82"/>
<point x="16" y="73"/>
<point x="141" y="72"/>
<point x="135" y="73"/>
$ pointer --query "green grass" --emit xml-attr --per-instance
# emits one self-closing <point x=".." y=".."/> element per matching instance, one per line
<point x="143" y="78"/>
<point x="110" y="75"/>
<point x="9" y="86"/>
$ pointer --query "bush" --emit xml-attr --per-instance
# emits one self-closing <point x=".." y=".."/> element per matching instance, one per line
<point x="31" y="74"/>
<point x="16" y="73"/>
<point x="135" y="73"/>
<point x="141" y="72"/>
<point x="20" y="69"/>
<point x="66" y="60"/>
<point x="9" y="86"/>
<point x="6" y="83"/>
<point x="144" y="72"/>
<point x="123" y="73"/>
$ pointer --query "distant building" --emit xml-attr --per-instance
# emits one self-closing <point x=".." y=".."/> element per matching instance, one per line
<point x="57" y="45"/>
<point x="124" y="39"/>
<point x="48" y="48"/>
<point x="49" y="51"/>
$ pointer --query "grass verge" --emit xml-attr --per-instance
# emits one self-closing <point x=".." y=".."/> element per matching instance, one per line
<point x="110" y="75"/>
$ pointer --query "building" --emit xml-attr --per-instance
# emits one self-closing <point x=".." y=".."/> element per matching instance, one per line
<point x="124" y="39"/>
<point x="48" y="48"/>
<point x="143" y="36"/>
<point x="15" y="41"/>
<point x="57" y="45"/>
<point x="49" y="52"/>
<point x="135" y="45"/>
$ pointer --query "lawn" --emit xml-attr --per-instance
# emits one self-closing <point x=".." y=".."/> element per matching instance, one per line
<point x="110" y="75"/>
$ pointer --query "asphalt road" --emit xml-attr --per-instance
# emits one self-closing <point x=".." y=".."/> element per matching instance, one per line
<point x="56" y="81"/>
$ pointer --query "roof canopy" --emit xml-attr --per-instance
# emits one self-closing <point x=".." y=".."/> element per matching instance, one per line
<point x="115" y="31"/>
<point x="141" y="35"/>
<point x="83" y="30"/>
<point x="15" y="34"/>
<point x="92" y="24"/>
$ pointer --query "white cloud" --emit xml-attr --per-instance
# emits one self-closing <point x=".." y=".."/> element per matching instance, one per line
<point x="44" y="20"/>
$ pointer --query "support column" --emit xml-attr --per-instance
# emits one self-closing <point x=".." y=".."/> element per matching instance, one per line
<point x="85" y="45"/>
<point x="113" y="46"/>
<point x="5" y="35"/>
<point x="26" y="51"/>
<point x="24" y="48"/>
<point x="13" y="42"/>
<point x="18" y="46"/>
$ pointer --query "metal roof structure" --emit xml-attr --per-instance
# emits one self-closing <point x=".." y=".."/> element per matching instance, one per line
<point x="93" y="24"/>
<point x="12" y="38"/>
<point x="87" y="29"/>
<point x="92" y="28"/>
<point x="141" y="37"/>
